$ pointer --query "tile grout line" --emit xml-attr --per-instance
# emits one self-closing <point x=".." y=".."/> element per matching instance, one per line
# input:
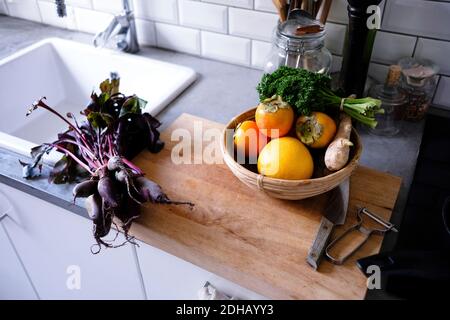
<point x="156" y="37"/>
<point x="251" y="53"/>
<point x="400" y="33"/>
<point x="178" y="12"/>
<point x="200" y="42"/>
<point x="228" y="20"/>
<point x="39" y="10"/>
<point x="384" y="11"/>
<point x="437" y="88"/>
<point x="415" y="47"/>
<point x="6" y="7"/>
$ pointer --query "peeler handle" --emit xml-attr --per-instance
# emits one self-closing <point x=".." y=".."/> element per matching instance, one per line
<point x="343" y="241"/>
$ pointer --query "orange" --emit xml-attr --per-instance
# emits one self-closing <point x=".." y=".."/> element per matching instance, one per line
<point x="274" y="117"/>
<point x="317" y="130"/>
<point x="248" y="140"/>
<point x="286" y="158"/>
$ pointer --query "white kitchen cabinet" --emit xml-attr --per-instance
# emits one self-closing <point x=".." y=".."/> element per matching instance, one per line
<point x="14" y="283"/>
<point x="54" y="245"/>
<point x="168" y="277"/>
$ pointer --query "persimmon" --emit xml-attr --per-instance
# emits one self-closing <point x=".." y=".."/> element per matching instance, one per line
<point x="248" y="139"/>
<point x="274" y="117"/>
<point x="316" y="130"/>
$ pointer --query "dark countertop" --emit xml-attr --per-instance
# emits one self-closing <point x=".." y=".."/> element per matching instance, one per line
<point x="221" y="91"/>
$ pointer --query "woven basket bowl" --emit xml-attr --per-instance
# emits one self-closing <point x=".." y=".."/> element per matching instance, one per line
<point x="287" y="189"/>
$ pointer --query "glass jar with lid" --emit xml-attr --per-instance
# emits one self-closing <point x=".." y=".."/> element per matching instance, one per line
<point x="299" y="43"/>
<point x="393" y="100"/>
<point x="419" y="80"/>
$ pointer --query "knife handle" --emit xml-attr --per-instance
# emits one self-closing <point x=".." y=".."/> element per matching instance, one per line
<point x="318" y="247"/>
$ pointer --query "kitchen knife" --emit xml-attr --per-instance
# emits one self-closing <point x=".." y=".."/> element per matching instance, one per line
<point x="334" y="215"/>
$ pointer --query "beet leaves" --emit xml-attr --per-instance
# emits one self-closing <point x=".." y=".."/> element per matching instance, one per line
<point x="115" y="130"/>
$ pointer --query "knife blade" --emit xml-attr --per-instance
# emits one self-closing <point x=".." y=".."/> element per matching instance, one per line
<point x="335" y="213"/>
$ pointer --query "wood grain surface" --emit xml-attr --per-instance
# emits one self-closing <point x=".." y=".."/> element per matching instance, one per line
<point x="258" y="242"/>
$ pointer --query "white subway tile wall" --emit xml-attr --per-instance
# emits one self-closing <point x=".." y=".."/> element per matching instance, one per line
<point x="226" y="48"/>
<point x="157" y="10"/>
<point x="240" y="31"/>
<point x="91" y="21"/>
<point x="265" y="5"/>
<point x="252" y="24"/>
<point x="204" y="16"/>
<point x="178" y="38"/>
<point x="418" y="17"/>
<point x="378" y="71"/>
<point x="335" y="37"/>
<point x="234" y="3"/>
<point x="113" y="6"/>
<point x="442" y="96"/>
<point x="78" y="3"/>
<point x="389" y="47"/>
<point x="260" y="53"/>
<point x="146" y="32"/>
<point x="49" y="16"/>
<point x="338" y="11"/>
<point x="435" y="50"/>
<point x="24" y="9"/>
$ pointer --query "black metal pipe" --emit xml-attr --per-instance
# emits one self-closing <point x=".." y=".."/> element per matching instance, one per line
<point x="358" y="47"/>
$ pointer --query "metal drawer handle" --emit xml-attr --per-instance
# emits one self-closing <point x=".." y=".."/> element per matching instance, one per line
<point x="209" y="292"/>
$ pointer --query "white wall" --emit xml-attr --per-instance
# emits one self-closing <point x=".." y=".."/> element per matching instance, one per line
<point x="239" y="31"/>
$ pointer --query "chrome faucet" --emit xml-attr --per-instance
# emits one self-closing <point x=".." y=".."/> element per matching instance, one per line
<point x="123" y="29"/>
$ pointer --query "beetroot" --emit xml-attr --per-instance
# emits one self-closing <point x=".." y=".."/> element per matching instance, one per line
<point x="150" y="191"/>
<point x="107" y="190"/>
<point x="93" y="206"/>
<point x="115" y="130"/>
<point x="84" y="189"/>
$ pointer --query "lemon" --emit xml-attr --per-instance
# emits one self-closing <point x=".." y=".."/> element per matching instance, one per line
<point x="286" y="158"/>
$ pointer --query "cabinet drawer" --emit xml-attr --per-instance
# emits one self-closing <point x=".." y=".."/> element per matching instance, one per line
<point x="168" y="277"/>
<point x="54" y="245"/>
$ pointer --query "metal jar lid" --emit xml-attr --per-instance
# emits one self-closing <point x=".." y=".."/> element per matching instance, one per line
<point x="302" y="34"/>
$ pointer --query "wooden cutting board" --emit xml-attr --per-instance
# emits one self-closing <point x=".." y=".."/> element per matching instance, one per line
<point x="245" y="236"/>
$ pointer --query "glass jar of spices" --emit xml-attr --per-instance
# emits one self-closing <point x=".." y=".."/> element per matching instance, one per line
<point x="419" y="80"/>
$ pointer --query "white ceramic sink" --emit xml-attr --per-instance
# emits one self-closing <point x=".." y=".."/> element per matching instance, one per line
<point x="66" y="72"/>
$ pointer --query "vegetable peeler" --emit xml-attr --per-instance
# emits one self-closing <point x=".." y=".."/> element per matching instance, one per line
<point x="360" y="229"/>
